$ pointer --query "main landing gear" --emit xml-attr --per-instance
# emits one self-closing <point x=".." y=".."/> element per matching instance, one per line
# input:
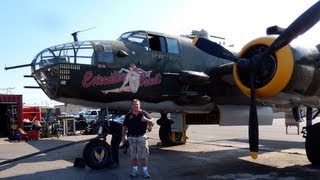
<point x="97" y="153"/>
<point x="312" y="135"/>
<point x="172" y="132"/>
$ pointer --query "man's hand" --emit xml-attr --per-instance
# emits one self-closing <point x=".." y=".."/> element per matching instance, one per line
<point x="147" y="120"/>
<point x="144" y="119"/>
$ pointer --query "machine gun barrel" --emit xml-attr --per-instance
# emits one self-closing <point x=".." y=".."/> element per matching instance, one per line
<point x="32" y="87"/>
<point x="19" y="66"/>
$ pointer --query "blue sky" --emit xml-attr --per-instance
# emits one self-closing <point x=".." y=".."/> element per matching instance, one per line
<point x="28" y="27"/>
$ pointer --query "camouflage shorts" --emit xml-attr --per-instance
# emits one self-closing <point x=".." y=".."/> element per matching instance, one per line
<point x="138" y="147"/>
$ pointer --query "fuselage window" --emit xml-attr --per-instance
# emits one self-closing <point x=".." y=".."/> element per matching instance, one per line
<point x="172" y="45"/>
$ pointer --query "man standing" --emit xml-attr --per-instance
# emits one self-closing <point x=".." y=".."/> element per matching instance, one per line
<point x="135" y="126"/>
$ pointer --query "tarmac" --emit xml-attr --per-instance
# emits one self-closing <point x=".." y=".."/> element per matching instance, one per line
<point x="211" y="152"/>
<point x="11" y="151"/>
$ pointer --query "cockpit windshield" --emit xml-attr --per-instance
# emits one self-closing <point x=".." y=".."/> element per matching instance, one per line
<point x="140" y="37"/>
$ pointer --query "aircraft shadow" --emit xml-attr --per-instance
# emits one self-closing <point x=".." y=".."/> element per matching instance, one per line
<point x="271" y="144"/>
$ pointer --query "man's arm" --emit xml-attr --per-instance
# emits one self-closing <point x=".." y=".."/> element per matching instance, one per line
<point x="147" y="118"/>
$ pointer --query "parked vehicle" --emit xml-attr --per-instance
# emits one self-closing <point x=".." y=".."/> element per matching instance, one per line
<point x="79" y="115"/>
<point x="90" y="115"/>
<point x="95" y="125"/>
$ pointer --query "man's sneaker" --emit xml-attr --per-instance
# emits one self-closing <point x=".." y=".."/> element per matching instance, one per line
<point x="134" y="173"/>
<point x="146" y="174"/>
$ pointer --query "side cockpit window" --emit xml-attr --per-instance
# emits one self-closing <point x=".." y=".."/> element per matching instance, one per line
<point x="173" y="46"/>
<point x="163" y="44"/>
<point x="157" y="43"/>
<point x="150" y="41"/>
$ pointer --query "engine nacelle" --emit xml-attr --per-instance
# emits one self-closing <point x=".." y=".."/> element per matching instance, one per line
<point x="276" y="69"/>
<point x="290" y="69"/>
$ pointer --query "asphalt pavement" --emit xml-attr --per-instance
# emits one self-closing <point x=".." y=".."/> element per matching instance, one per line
<point x="211" y="152"/>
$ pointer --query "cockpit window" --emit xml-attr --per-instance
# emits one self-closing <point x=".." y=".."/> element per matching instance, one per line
<point x="163" y="44"/>
<point x="139" y="37"/>
<point x="157" y="43"/>
<point x="152" y="41"/>
<point x="172" y="45"/>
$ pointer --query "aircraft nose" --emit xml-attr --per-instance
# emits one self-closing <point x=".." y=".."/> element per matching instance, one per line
<point x="49" y="66"/>
<point x="48" y="80"/>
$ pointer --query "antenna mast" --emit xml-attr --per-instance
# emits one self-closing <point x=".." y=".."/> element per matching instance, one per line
<point x="75" y="34"/>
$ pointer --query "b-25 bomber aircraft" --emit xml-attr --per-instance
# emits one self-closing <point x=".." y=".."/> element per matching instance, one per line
<point x="194" y="80"/>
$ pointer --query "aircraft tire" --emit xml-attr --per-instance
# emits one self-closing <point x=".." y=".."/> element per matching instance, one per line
<point x="312" y="144"/>
<point x="96" y="154"/>
<point x="165" y="135"/>
<point x="166" y="138"/>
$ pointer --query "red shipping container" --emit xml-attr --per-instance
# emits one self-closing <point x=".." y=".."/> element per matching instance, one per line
<point x="16" y="100"/>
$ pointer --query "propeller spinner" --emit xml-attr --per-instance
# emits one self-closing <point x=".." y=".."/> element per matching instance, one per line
<point x="302" y="24"/>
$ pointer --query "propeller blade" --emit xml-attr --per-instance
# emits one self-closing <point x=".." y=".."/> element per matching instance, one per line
<point x="214" y="49"/>
<point x="302" y="24"/>
<point x="253" y="121"/>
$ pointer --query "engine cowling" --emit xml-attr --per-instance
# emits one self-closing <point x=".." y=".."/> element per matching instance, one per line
<point x="274" y="73"/>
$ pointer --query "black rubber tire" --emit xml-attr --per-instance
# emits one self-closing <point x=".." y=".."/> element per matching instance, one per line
<point x="93" y="150"/>
<point x="312" y="144"/>
<point x="166" y="138"/>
